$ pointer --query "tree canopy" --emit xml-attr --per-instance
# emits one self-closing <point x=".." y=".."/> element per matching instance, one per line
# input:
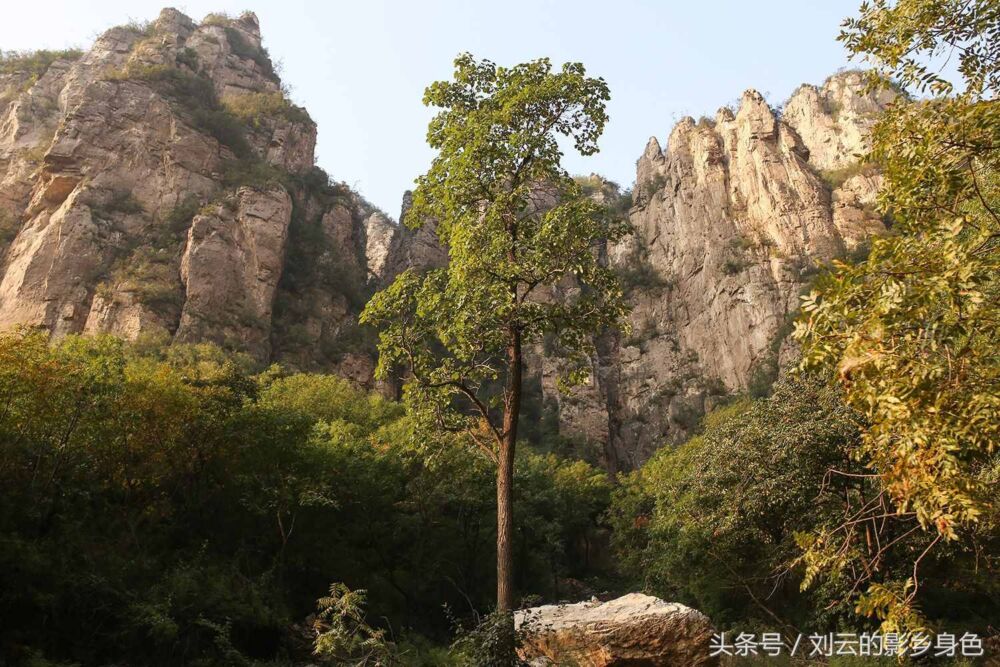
<point x="911" y="333"/>
<point x="516" y="227"/>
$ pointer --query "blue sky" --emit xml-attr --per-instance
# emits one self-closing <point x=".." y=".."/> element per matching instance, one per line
<point x="360" y="67"/>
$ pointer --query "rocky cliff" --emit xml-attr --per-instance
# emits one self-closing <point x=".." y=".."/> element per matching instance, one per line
<point x="732" y="219"/>
<point x="161" y="184"/>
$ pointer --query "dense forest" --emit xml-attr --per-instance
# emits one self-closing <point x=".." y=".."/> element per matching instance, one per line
<point x="175" y="504"/>
<point x="169" y="506"/>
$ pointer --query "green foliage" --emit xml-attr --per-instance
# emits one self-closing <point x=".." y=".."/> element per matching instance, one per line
<point x="188" y="57"/>
<point x="228" y="121"/>
<point x="713" y="522"/>
<point x="252" y="172"/>
<point x="22" y="69"/>
<point x="911" y="332"/>
<point x="254" y="109"/>
<point x="733" y="265"/>
<point x="491" y="643"/>
<point x="330" y="399"/>
<point x="178" y="219"/>
<point x="317" y="264"/>
<point x="636" y="272"/>
<point x="116" y="202"/>
<point x="765" y="370"/>
<point x="834" y="178"/>
<point x="151" y="274"/>
<point x="498" y="153"/>
<point x="188" y="507"/>
<point x="244" y="49"/>
<point x="34" y="63"/>
<point x="654" y="184"/>
<point x="515" y="224"/>
<point x="738" y="253"/>
<point x="719" y="523"/>
<point x="217" y="18"/>
<point x="905" y="38"/>
<point x="194" y="96"/>
<point x="9" y="227"/>
<point x="343" y="636"/>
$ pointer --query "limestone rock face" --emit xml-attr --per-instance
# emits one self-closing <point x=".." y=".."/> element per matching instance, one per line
<point x="731" y="220"/>
<point x="380" y="234"/>
<point x="161" y="184"/>
<point x="834" y="120"/>
<point x="414" y="248"/>
<point x="230" y="269"/>
<point x="634" y="630"/>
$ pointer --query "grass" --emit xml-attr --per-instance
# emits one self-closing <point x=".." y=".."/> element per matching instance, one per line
<point x="834" y="178"/>
<point x="637" y="272"/>
<point x="254" y="109"/>
<point x="121" y="201"/>
<point x="194" y="95"/>
<point x="149" y="273"/>
<point x="9" y="227"/>
<point x="248" y="51"/>
<point x="34" y="63"/>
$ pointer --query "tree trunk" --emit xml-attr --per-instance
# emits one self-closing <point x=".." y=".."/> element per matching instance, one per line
<point x="505" y="476"/>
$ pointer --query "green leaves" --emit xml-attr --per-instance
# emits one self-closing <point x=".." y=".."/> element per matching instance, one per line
<point x="717" y="522"/>
<point x="911" y="38"/>
<point x="911" y="333"/>
<point x="523" y="240"/>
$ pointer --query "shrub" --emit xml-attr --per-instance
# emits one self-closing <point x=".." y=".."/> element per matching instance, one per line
<point x="188" y="507"/>
<point x="252" y="172"/>
<point x="735" y="254"/>
<point x="244" y="49"/>
<point x="636" y="272"/>
<point x="654" y="184"/>
<point x="188" y="57"/>
<point x="254" y="109"/>
<point x="834" y="178"/>
<point x="217" y="18"/>
<point x="731" y="266"/>
<point x="9" y="227"/>
<point x="34" y="63"/>
<point x="195" y="97"/>
<point x="718" y="522"/>
<point x="493" y="642"/>
<point x="343" y="636"/>
<point x="178" y="219"/>
<point x="152" y="275"/>
<point x="712" y="523"/>
<point x="116" y="202"/>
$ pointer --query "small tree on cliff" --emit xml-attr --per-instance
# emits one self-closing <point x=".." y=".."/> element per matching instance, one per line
<point x="515" y="225"/>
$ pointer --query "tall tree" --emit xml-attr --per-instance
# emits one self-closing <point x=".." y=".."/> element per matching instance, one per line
<point x="515" y="225"/>
<point x="911" y="333"/>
